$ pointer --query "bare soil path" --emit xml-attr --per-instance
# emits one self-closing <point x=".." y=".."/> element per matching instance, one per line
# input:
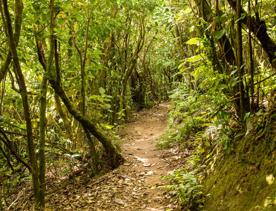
<point x="136" y="185"/>
<point x="146" y="160"/>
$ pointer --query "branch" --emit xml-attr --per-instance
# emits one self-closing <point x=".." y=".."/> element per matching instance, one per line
<point x="265" y="79"/>
<point x="259" y="29"/>
<point x="7" y="142"/>
<point x="7" y="159"/>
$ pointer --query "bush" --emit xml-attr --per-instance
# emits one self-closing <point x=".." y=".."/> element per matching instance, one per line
<point x="186" y="188"/>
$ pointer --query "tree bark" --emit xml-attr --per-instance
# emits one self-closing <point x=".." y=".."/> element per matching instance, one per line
<point x="18" y="22"/>
<point x="23" y="92"/>
<point x="240" y="61"/>
<point x="42" y="131"/>
<point x="114" y="157"/>
<point x="251" y="61"/>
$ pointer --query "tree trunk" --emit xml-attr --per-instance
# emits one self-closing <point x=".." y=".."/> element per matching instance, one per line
<point x="23" y="92"/>
<point x="42" y="130"/>
<point x="251" y="61"/>
<point x="240" y="61"/>
<point x="18" y="22"/>
<point x="114" y="157"/>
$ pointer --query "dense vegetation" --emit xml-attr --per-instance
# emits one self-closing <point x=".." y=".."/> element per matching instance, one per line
<point x="224" y="110"/>
<point x="71" y="71"/>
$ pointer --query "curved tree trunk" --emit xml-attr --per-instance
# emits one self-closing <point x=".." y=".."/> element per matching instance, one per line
<point x="114" y="157"/>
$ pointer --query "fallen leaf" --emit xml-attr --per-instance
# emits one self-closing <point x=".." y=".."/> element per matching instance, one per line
<point x="119" y="201"/>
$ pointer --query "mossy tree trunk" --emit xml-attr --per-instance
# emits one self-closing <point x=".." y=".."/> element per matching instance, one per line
<point x="23" y="92"/>
<point x="42" y="134"/>
<point x="131" y="62"/>
<point x="114" y="157"/>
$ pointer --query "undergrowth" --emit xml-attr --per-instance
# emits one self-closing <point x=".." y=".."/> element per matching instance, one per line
<point x="186" y="188"/>
<point x="194" y="127"/>
<point x="204" y="120"/>
<point x="201" y="121"/>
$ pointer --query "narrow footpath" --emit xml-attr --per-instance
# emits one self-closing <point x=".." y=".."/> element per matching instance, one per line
<point x="137" y="184"/>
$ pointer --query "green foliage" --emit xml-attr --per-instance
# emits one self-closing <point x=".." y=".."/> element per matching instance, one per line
<point x="186" y="188"/>
<point x="127" y="54"/>
<point x="199" y="102"/>
<point x="207" y="104"/>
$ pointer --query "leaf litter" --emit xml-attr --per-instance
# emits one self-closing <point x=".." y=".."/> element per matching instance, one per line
<point x="135" y="185"/>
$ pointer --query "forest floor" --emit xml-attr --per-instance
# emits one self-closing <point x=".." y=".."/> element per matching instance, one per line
<point x="135" y="185"/>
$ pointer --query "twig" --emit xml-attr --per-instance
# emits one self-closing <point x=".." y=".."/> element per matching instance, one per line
<point x="265" y="79"/>
<point x="7" y="159"/>
<point x="17" y="198"/>
<point x="7" y="142"/>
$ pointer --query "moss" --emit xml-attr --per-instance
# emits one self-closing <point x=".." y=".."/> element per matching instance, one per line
<point x="238" y="182"/>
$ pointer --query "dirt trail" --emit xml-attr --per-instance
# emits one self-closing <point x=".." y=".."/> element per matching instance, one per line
<point x="140" y="150"/>
<point x="136" y="185"/>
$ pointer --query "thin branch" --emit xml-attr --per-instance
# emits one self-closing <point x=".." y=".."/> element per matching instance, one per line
<point x="265" y="79"/>
<point x="7" y="142"/>
<point x="7" y="159"/>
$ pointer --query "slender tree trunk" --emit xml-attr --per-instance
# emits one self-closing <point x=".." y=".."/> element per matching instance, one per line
<point x="83" y="61"/>
<point x="240" y="60"/>
<point x="113" y="156"/>
<point x="3" y="91"/>
<point x="18" y="22"/>
<point x="259" y="29"/>
<point x="251" y="61"/>
<point x="83" y="65"/>
<point x="228" y="53"/>
<point x="42" y="130"/>
<point x="23" y="92"/>
<point x="130" y="64"/>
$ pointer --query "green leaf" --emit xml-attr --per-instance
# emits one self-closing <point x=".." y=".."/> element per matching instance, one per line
<point x="194" y="41"/>
<point x="194" y="59"/>
<point x="219" y="34"/>
<point x="102" y="90"/>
